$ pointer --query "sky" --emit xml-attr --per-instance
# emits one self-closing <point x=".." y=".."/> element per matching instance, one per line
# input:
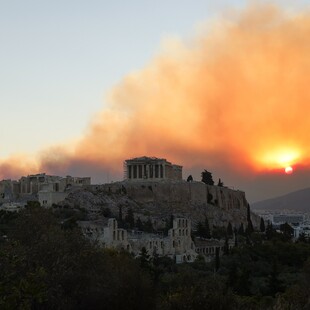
<point x="216" y="85"/>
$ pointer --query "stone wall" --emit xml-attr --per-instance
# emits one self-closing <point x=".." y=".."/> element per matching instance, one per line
<point x="177" y="192"/>
<point x="178" y="245"/>
<point x="194" y="200"/>
<point x="47" y="199"/>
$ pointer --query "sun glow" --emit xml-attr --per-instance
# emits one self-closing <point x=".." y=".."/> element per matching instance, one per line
<point x="282" y="159"/>
<point x="288" y="170"/>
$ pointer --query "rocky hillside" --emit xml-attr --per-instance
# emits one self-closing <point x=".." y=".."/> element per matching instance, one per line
<point x="159" y="200"/>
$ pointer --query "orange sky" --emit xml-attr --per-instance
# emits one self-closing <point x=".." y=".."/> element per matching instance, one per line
<point x="236" y="97"/>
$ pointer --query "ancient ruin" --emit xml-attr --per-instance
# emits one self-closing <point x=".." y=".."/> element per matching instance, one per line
<point x="178" y="245"/>
<point x="48" y="189"/>
<point x="151" y="168"/>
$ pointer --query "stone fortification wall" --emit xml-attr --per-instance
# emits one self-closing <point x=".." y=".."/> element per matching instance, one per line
<point x="47" y="199"/>
<point x="193" y="200"/>
<point x="174" y="192"/>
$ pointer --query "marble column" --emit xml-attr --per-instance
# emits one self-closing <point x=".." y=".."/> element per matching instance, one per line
<point x="161" y="171"/>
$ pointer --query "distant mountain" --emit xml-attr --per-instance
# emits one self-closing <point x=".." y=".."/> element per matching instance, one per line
<point x="295" y="201"/>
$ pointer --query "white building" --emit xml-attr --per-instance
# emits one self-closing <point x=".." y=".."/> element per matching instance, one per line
<point x="178" y="245"/>
<point x="279" y="219"/>
<point x="301" y="229"/>
<point x="49" y="188"/>
<point x="52" y="191"/>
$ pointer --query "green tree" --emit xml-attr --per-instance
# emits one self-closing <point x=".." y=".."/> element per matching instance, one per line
<point x="297" y="296"/>
<point x="302" y="238"/>
<point x="144" y="258"/>
<point x="21" y="287"/>
<point x="241" y="230"/>
<point x="206" y="177"/>
<point x="250" y="228"/>
<point x="33" y="204"/>
<point x="219" y="232"/>
<point x="193" y="289"/>
<point x="169" y="223"/>
<point x="203" y="229"/>
<point x="207" y="228"/>
<point x="220" y="183"/>
<point x="269" y="231"/>
<point x="217" y="258"/>
<point x="148" y="226"/>
<point x="199" y="229"/>
<point x="120" y="217"/>
<point x="287" y="230"/>
<point x="236" y="236"/>
<point x="46" y="267"/>
<point x="106" y="212"/>
<point x="139" y="224"/>
<point x="230" y="232"/>
<point x="226" y="247"/>
<point x="248" y="213"/>
<point x="262" y="225"/>
<point x="275" y="284"/>
<point x="129" y="218"/>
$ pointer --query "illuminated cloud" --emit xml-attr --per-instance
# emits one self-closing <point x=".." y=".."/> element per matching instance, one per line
<point x="237" y="97"/>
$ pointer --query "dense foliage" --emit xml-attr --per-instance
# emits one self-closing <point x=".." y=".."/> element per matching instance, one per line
<point x="45" y="264"/>
<point x="206" y="177"/>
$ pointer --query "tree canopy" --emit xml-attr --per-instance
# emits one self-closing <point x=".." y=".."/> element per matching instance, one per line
<point x="206" y="177"/>
<point x="47" y="266"/>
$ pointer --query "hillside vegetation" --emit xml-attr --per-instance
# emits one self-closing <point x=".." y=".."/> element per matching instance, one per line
<point x="48" y="265"/>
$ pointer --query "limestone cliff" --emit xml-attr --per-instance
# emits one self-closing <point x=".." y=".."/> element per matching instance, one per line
<point x="158" y="200"/>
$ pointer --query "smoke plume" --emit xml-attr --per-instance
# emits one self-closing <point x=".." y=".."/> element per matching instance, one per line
<point x="236" y="97"/>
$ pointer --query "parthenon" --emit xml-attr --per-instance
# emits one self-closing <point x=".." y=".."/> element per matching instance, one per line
<point x="151" y="168"/>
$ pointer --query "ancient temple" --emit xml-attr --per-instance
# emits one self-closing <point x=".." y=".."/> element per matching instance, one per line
<point x="151" y="168"/>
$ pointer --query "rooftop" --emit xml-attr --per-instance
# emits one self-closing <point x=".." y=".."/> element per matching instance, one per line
<point x="144" y="158"/>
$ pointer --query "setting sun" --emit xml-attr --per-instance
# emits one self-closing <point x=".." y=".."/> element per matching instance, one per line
<point x="288" y="170"/>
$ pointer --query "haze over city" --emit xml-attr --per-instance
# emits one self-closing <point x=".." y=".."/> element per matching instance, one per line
<point x="222" y="87"/>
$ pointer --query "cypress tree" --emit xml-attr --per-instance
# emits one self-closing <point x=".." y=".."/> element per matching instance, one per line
<point x="250" y="228"/>
<point x="229" y="229"/>
<point x="248" y="213"/>
<point x="236" y="236"/>
<point x="262" y="225"/>
<point x="269" y="231"/>
<point x="130" y="219"/>
<point x="139" y="224"/>
<point x="120" y="217"/>
<point x="207" y="229"/>
<point x="217" y="258"/>
<point x="226" y="247"/>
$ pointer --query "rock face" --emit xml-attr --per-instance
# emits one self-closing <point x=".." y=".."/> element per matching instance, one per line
<point x="159" y="200"/>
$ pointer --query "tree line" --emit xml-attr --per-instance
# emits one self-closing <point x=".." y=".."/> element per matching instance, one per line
<point x="47" y="265"/>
